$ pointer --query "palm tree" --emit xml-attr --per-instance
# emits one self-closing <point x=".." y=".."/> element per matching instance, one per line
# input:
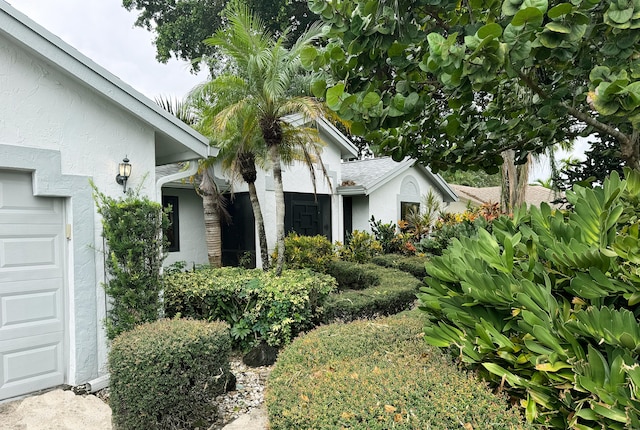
<point x="240" y="142"/>
<point x="264" y="73"/>
<point x="213" y="202"/>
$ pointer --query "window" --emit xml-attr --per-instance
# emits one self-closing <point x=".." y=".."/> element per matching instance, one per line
<point x="173" y="231"/>
<point x="407" y="207"/>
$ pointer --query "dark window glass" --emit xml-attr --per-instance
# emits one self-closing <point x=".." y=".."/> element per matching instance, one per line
<point x="173" y="231"/>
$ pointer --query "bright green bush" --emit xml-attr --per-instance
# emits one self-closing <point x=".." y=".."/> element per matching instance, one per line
<point x="395" y="292"/>
<point x="166" y="374"/>
<point x="132" y="228"/>
<point x="411" y="264"/>
<point x="378" y="375"/>
<point x="547" y="306"/>
<point x="360" y="246"/>
<point x="257" y="305"/>
<point x="312" y="252"/>
<point x="352" y="276"/>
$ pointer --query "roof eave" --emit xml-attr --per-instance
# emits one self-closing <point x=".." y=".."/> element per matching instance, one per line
<point x="50" y="48"/>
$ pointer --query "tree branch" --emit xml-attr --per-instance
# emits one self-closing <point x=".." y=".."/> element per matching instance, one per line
<point x="582" y="116"/>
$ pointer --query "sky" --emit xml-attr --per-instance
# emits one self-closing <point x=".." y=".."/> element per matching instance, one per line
<point x="103" y="30"/>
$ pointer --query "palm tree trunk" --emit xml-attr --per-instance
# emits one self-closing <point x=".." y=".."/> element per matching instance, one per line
<point x="262" y="235"/>
<point x="274" y="155"/>
<point x="212" y="228"/>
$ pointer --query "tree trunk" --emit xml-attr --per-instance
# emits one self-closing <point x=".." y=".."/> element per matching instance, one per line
<point x="515" y="179"/>
<point x="212" y="228"/>
<point x="274" y="155"/>
<point x="262" y="235"/>
<point x="631" y="150"/>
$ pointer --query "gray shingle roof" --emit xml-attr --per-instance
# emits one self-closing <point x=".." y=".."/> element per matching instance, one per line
<point x="364" y="176"/>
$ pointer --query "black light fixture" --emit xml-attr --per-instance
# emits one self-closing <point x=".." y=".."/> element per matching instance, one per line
<point x="124" y="171"/>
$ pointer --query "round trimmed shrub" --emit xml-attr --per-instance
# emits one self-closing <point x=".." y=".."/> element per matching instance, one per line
<point x="165" y="374"/>
<point x="378" y="374"/>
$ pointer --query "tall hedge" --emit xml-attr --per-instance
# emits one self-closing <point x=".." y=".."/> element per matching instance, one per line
<point x="547" y="306"/>
<point x="132" y="228"/>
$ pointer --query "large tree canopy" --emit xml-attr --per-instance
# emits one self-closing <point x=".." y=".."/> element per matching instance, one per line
<point x="456" y="83"/>
<point x="181" y="26"/>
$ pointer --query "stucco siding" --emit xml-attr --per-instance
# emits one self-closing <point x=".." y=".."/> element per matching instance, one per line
<point x="193" y="249"/>
<point x="67" y="135"/>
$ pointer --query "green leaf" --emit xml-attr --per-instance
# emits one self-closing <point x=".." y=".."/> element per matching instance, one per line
<point x="334" y="96"/>
<point x="358" y="129"/>
<point x="620" y="16"/>
<point x="541" y="5"/>
<point x="558" y="27"/>
<point x="307" y="55"/>
<point x="528" y="15"/>
<point x="559" y="10"/>
<point x="370" y="100"/>
<point x="490" y="30"/>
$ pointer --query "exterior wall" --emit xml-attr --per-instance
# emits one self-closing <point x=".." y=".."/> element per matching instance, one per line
<point x="67" y="135"/>
<point x="459" y="206"/>
<point x="193" y="249"/>
<point x="360" y="213"/>
<point x="384" y="202"/>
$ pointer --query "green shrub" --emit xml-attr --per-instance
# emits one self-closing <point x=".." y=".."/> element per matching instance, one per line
<point x="378" y="375"/>
<point x="396" y="292"/>
<point x="547" y="306"/>
<point x="311" y="252"/>
<point x="132" y="228"/>
<point x="257" y="305"/>
<point x="360" y="247"/>
<point x="351" y="276"/>
<point x="166" y="374"/>
<point x="411" y="264"/>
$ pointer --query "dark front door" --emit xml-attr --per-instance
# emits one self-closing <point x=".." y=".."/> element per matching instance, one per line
<point x="238" y="236"/>
<point x="307" y="214"/>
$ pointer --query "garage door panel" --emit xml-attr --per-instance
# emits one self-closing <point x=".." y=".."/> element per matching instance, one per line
<point x="32" y="288"/>
<point x="26" y="308"/>
<point x="30" y="364"/>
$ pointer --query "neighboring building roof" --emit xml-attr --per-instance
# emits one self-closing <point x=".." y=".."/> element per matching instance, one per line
<point x="362" y="177"/>
<point x="175" y="141"/>
<point x="534" y="194"/>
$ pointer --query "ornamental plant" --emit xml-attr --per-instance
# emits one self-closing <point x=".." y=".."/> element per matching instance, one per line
<point x="132" y="228"/>
<point x="546" y="306"/>
<point x="257" y="305"/>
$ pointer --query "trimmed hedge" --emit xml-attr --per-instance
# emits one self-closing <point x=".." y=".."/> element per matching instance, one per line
<point x="166" y="374"/>
<point x="257" y="305"/>
<point x="410" y="264"/>
<point x="396" y="292"/>
<point x="351" y="276"/>
<point x="378" y="375"/>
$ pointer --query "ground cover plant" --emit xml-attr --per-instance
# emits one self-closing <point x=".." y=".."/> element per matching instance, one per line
<point x="546" y="305"/>
<point x="258" y="305"/>
<point x="378" y="374"/>
<point x="166" y="374"/>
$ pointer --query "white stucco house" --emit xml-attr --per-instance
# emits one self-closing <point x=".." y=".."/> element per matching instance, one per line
<point x="306" y="213"/>
<point x="386" y="189"/>
<point x="64" y="121"/>
<point x="360" y="189"/>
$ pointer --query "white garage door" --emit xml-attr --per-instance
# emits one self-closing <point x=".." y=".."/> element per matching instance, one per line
<point x="32" y="280"/>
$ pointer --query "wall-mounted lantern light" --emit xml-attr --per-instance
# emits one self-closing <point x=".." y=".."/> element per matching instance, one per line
<point x="124" y="171"/>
